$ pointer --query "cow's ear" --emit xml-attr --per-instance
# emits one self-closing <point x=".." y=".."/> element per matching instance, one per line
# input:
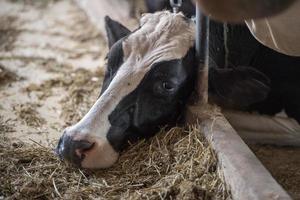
<point x="114" y="31"/>
<point x="237" y="87"/>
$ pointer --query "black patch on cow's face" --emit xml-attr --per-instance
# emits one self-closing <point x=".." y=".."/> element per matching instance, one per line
<point x="116" y="33"/>
<point x="114" y="61"/>
<point x="157" y="101"/>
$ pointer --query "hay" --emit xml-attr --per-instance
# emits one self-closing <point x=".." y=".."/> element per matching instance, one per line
<point x="5" y="127"/>
<point x="28" y="114"/>
<point x="176" y="164"/>
<point x="82" y="93"/>
<point x="82" y="88"/>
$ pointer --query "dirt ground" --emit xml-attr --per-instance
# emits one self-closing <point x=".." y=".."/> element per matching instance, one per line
<point x="51" y="69"/>
<point x="284" y="164"/>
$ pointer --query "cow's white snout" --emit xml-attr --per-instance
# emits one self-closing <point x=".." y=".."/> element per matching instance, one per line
<point x="85" y="150"/>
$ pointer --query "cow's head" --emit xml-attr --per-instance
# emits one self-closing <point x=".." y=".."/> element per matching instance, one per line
<point x="150" y="75"/>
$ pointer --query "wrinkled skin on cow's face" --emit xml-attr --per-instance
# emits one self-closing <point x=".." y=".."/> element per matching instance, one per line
<point x="149" y="77"/>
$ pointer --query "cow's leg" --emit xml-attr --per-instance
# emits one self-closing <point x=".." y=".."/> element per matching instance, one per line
<point x="264" y="129"/>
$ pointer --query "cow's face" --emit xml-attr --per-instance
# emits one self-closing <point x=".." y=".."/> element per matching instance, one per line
<point x="149" y="76"/>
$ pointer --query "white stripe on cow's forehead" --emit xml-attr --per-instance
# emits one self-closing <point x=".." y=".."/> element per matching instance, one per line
<point x="162" y="36"/>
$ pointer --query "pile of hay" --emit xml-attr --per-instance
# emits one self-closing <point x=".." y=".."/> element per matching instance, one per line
<point x="175" y="164"/>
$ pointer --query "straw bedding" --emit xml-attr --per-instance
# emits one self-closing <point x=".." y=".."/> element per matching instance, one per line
<point x="175" y="164"/>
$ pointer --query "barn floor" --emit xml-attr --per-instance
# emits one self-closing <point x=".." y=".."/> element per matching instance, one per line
<point x="51" y="68"/>
<point x="284" y="164"/>
<point x="51" y="63"/>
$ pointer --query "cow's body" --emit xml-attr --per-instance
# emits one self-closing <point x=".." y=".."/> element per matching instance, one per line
<point x="234" y="46"/>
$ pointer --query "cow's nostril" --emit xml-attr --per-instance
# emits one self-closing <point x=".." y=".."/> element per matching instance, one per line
<point x="73" y="150"/>
<point x="84" y="145"/>
<point x="81" y="147"/>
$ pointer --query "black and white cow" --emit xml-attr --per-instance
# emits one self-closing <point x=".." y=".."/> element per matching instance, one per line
<point x="150" y="75"/>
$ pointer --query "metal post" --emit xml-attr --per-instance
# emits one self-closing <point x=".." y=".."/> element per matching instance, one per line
<point x="202" y="54"/>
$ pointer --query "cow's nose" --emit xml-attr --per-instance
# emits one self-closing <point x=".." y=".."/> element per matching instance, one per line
<point x="72" y="150"/>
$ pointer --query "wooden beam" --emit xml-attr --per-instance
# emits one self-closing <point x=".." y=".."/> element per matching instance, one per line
<point x="263" y="129"/>
<point x="246" y="177"/>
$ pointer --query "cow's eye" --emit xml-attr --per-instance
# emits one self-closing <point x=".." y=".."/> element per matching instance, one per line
<point x="164" y="88"/>
<point x="167" y="86"/>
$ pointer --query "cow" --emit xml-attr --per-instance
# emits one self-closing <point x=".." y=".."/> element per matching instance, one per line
<point x="151" y="74"/>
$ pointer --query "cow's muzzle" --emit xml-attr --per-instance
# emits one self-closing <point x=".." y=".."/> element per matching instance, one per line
<point x="71" y="150"/>
<point x="85" y="151"/>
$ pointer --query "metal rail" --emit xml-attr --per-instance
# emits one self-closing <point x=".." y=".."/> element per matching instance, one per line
<point x="202" y="54"/>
